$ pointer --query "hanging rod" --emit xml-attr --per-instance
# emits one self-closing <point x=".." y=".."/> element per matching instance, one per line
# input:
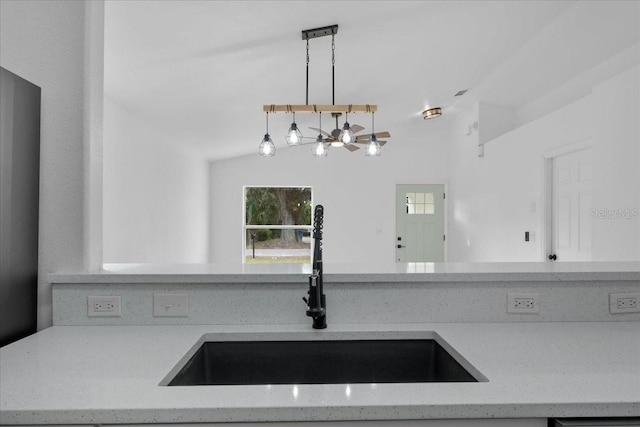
<point x="315" y="108"/>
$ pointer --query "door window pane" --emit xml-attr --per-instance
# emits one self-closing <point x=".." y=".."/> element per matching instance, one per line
<point x="428" y="198"/>
<point x="420" y="204"/>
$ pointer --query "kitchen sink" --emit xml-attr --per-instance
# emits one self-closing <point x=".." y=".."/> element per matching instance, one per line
<point x="321" y="362"/>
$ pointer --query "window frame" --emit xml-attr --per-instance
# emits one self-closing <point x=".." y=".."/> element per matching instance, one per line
<point x="246" y="227"/>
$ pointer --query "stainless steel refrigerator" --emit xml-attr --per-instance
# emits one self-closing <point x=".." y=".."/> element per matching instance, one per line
<point x="19" y="192"/>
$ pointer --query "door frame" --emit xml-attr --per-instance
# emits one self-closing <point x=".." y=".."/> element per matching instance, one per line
<point x="445" y="213"/>
<point x="546" y="219"/>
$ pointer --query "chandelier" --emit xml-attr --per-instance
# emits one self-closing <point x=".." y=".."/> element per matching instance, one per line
<point x="339" y="137"/>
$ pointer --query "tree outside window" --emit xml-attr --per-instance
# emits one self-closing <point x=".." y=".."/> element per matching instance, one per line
<point x="278" y="224"/>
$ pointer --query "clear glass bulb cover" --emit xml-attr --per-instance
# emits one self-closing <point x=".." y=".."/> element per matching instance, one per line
<point x="319" y="149"/>
<point x="294" y="136"/>
<point x="373" y="148"/>
<point x="267" y="147"/>
<point x="346" y="135"/>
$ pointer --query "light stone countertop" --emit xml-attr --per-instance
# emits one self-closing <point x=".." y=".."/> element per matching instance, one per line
<point x="111" y="374"/>
<point x="356" y="273"/>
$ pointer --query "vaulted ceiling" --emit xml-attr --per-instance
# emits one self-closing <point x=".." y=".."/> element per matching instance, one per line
<point x="200" y="71"/>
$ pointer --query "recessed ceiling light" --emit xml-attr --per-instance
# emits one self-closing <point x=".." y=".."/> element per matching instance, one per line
<point x="461" y="92"/>
<point x="432" y="113"/>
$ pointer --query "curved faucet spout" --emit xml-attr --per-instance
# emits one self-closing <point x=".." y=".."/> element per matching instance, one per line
<point x="316" y="304"/>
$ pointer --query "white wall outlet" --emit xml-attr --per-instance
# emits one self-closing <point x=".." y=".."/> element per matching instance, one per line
<point x="103" y="306"/>
<point x="170" y="305"/>
<point x="523" y="303"/>
<point x="628" y="302"/>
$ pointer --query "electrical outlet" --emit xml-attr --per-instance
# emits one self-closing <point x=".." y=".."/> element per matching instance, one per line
<point x="624" y="303"/>
<point x="103" y="306"/>
<point x="523" y="303"/>
<point x="170" y="305"/>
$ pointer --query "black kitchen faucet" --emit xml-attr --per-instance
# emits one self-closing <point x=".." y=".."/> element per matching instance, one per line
<point x="316" y="304"/>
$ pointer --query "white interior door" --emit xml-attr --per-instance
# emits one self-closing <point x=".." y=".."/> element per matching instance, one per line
<point x="420" y="223"/>
<point x="571" y="202"/>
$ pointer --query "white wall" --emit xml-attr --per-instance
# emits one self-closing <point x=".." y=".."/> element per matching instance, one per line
<point x="358" y="193"/>
<point x="616" y="176"/>
<point x="93" y="115"/>
<point x="155" y="194"/>
<point x="495" y="199"/>
<point x="43" y="42"/>
<point x="495" y="120"/>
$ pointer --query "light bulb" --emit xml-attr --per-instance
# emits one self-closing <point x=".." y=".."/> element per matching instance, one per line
<point x="346" y="134"/>
<point x="373" y="148"/>
<point x="267" y="147"/>
<point x="294" y="136"/>
<point x="319" y="148"/>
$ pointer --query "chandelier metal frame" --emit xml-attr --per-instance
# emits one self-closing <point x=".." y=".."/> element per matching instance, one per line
<point x="346" y="137"/>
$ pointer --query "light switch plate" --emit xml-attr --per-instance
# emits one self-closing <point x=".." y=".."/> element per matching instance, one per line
<point x="170" y="305"/>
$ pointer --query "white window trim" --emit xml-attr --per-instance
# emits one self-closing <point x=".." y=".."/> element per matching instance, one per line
<point x="246" y="227"/>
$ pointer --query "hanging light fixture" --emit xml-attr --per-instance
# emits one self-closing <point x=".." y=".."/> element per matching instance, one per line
<point x="373" y="147"/>
<point x="320" y="148"/>
<point x="267" y="147"/>
<point x="294" y="136"/>
<point x="345" y="137"/>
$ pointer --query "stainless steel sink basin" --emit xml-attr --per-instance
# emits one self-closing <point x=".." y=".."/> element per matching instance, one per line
<point x="320" y="362"/>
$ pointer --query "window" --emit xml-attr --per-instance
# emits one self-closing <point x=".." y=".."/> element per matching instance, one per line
<point x="420" y="204"/>
<point x="277" y="224"/>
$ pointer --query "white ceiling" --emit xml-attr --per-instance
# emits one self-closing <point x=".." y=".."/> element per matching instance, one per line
<point x="200" y="71"/>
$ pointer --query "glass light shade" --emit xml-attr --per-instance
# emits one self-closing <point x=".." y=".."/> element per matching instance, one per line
<point x="319" y="148"/>
<point x="346" y="134"/>
<point x="294" y="136"/>
<point x="267" y="147"/>
<point x="373" y="148"/>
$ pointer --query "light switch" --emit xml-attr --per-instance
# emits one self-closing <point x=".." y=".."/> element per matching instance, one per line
<point x="170" y="305"/>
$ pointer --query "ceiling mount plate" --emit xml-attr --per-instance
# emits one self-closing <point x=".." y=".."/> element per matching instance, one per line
<point x="319" y="32"/>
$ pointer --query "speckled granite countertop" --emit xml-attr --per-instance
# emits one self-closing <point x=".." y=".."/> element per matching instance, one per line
<point x="111" y="374"/>
<point x="357" y="273"/>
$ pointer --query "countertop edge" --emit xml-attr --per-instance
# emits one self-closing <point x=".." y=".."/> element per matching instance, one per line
<point x="105" y="278"/>
<point x="326" y="413"/>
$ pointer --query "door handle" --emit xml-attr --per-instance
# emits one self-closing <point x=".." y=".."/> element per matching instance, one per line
<point x="553" y="257"/>
<point x="400" y="246"/>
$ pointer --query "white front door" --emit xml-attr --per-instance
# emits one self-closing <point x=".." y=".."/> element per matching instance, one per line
<point x="571" y="193"/>
<point x="420" y="223"/>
